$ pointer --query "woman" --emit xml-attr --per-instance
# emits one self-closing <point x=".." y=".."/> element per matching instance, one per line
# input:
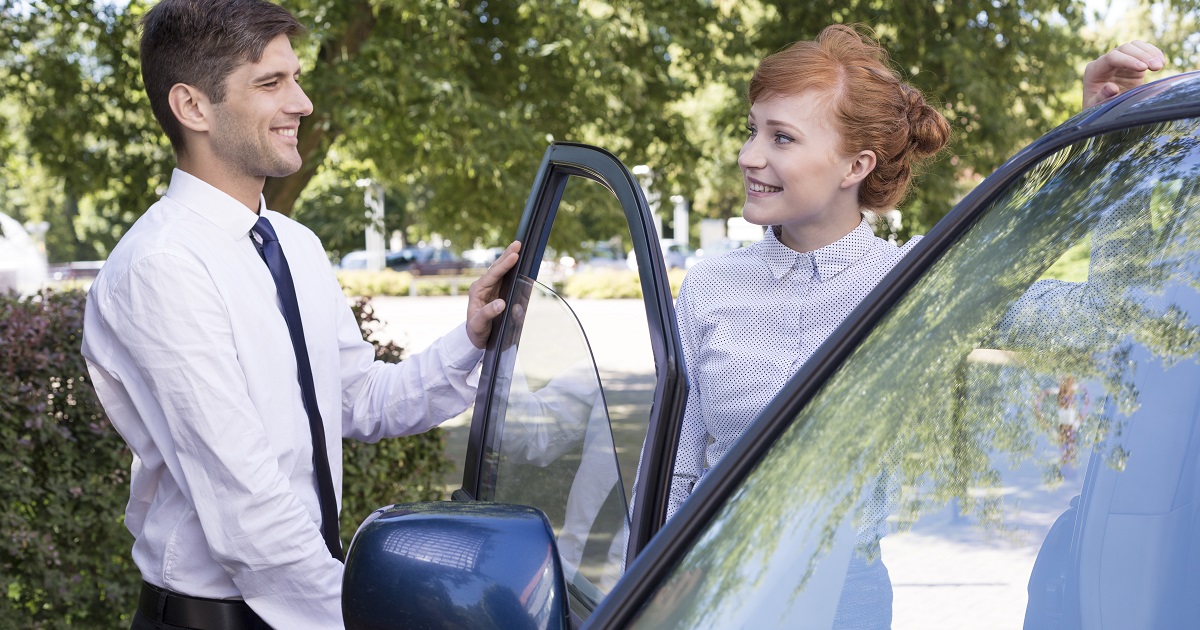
<point x="833" y="133"/>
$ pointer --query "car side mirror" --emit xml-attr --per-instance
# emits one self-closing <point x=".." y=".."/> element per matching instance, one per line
<point x="454" y="565"/>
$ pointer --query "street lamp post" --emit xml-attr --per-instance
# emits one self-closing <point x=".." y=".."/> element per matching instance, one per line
<point x="680" y="220"/>
<point x="645" y="177"/>
<point x="373" y="198"/>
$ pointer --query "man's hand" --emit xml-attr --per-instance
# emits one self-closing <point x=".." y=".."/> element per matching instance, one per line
<point x="1118" y="70"/>
<point x="483" y="303"/>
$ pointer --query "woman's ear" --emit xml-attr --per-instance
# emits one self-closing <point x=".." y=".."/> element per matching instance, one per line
<point x="860" y="167"/>
<point x="190" y="106"/>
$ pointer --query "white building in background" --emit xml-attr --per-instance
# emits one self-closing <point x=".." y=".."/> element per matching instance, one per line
<point x="22" y="257"/>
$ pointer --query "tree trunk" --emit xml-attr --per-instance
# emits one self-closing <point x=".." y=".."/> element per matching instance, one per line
<point x="319" y="131"/>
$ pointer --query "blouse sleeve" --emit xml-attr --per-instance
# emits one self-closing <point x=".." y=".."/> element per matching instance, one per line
<point x="693" y="436"/>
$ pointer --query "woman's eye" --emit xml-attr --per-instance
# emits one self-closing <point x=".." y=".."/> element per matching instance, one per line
<point x="751" y="131"/>
<point x="783" y="139"/>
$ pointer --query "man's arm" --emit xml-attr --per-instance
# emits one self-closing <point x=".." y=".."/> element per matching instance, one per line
<point x="389" y="400"/>
<point x="1120" y="69"/>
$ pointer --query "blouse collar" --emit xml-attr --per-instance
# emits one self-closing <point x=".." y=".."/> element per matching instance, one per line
<point x="823" y="263"/>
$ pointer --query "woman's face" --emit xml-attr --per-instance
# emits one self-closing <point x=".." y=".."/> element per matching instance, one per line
<point x="795" y="174"/>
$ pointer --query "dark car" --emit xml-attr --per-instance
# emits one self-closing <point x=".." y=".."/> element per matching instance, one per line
<point x="1006" y="444"/>
<point x="426" y="260"/>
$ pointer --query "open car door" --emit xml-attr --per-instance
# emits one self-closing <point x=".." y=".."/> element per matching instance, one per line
<point x="564" y="422"/>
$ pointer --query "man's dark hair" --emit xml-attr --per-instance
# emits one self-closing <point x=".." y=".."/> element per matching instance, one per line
<point x="200" y="43"/>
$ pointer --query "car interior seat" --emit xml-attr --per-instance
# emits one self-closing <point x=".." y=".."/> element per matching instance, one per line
<point x="1127" y="554"/>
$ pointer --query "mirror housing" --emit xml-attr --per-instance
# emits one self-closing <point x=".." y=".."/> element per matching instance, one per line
<point x="454" y="565"/>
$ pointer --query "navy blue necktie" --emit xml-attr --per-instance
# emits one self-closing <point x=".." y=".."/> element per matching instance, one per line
<point x="272" y="253"/>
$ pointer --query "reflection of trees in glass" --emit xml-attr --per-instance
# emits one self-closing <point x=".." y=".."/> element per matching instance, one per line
<point x="908" y="399"/>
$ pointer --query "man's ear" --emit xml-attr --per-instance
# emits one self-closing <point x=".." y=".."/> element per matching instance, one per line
<point x="862" y="166"/>
<point x="191" y="107"/>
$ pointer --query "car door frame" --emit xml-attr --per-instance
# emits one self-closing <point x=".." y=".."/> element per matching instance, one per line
<point x="561" y="162"/>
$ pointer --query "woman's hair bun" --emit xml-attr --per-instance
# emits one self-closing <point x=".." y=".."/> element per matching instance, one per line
<point x="928" y="130"/>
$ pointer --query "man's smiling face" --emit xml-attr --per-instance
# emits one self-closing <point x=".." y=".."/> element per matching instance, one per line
<point x="255" y="125"/>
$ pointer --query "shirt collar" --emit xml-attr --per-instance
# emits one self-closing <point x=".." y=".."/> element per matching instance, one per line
<point x="197" y="195"/>
<point x="825" y="262"/>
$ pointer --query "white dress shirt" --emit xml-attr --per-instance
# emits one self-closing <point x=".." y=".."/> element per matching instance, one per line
<point x="748" y="320"/>
<point x="190" y="356"/>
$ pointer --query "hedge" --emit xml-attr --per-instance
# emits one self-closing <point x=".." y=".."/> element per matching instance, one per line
<point x="599" y="284"/>
<point x="65" y="555"/>
<point x="389" y="282"/>
<point x="603" y="284"/>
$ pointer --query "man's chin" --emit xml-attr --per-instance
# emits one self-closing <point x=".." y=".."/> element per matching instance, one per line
<point x="283" y="168"/>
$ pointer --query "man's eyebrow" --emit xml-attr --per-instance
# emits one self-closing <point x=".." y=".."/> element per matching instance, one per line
<point x="269" y="76"/>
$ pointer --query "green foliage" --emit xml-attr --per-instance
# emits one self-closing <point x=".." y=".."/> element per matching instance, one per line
<point x="450" y="105"/>
<point x="453" y="103"/>
<point x="64" y="556"/>
<point x="388" y="282"/>
<point x="371" y="283"/>
<point x="88" y="151"/>
<point x="603" y="284"/>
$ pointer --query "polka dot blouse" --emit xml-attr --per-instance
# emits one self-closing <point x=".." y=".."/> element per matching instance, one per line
<point x="748" y="321"/>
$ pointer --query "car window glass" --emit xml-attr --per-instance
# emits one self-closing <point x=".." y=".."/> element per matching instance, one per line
<point x="582" y="387"/>
<point x="580" y="264"/>
<point x="1008" y="447"/>
<point x="556" y="450"/>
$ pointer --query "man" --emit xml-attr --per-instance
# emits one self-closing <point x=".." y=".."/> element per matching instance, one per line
<point x="224" y="352"/>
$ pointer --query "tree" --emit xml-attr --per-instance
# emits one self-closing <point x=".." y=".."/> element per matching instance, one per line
<point x="71" y="84"/>
<point x="451" y="105"/>
<point x="448" y="104"/>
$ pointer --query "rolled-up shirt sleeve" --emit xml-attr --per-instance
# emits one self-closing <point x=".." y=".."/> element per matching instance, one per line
<point x="395" y="399"/>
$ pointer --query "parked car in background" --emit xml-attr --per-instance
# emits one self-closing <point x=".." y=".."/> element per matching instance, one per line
<point x="675" y="255"/>
<point x="978" y="445"/>
<point x="354" y="260"/>
<point x="22" y="263"/>
<point x="427" y="261"/>
<point x="421" y="260"/>
<point x="84" y="270"/>
<point x="723" y="246"/>
<point x="602" y="255"/>
<point x="482" y="257"/>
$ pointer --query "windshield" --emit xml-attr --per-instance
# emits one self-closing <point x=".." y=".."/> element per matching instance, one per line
<point x="1013" y="445"/>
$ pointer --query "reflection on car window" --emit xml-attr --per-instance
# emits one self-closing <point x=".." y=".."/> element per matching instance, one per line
<point x="1006" y="449"/>
<point x="556" y="450"/>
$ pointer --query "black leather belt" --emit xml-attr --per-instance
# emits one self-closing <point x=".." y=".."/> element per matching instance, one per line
<point x="158" y="604"/>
